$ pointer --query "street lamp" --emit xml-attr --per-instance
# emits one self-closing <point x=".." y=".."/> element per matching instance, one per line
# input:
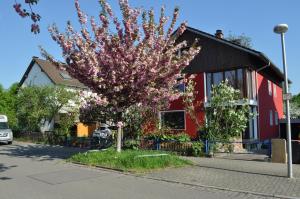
<point x="281" y="29"/>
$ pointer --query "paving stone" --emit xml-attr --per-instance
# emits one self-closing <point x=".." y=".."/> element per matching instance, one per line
<point x="249" y="176"/>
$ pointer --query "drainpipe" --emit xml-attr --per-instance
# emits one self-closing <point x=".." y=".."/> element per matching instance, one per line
<point x="269" y="63"/>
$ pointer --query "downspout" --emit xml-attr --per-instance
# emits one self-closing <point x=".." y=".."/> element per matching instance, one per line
<point x="205" y="96"/>
<point x="269" y="64"/>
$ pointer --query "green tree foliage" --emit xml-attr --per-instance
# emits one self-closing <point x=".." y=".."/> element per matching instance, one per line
<point x="134" y="118"/>
<point x="296" y="100"/>
<point x="242" y="40"/>
<point x="36" y="105"/>
<point x="66" y="121"/>
<point x="8" y="104"/>
<point x="226" y="116"/>
<point x="295" y="106"/>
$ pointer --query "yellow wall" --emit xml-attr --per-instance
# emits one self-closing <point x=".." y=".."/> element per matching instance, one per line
<point x="85" y="130"/>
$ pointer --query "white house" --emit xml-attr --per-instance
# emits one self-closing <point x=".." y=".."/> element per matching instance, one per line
<point x="43" y="73"/>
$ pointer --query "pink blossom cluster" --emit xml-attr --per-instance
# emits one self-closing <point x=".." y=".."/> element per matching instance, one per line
<point x="35" y="28"/>
<point x="137" y="63"/>
<point x="89" y="99"/>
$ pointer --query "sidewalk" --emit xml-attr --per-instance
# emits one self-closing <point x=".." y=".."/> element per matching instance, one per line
<point x="263" y="178"/>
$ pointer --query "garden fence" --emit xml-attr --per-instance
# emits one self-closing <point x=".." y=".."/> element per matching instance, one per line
<point x="244" y="146"/>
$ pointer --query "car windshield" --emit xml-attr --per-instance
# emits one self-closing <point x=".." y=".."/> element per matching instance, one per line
<point x="3" y="125"/>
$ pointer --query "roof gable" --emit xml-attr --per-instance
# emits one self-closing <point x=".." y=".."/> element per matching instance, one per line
<point x="219" y="54"/>
<point x="58" y="77"/>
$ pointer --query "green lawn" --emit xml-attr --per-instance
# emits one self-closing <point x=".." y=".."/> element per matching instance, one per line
<point x="130" y="160"/>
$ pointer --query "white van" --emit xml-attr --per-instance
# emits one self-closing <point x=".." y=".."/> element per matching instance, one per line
<point x="6" y="135"/>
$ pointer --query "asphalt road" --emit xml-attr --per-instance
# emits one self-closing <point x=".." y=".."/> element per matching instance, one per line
<point x="29" y="171"/>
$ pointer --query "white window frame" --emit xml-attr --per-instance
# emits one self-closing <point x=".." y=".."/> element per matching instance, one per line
<point x="270" y="87"/>
<point x="160" y="120"/>
<point x="276" y="117"/>
<point x="274" y="90"/>
<point x="271" y="117"/>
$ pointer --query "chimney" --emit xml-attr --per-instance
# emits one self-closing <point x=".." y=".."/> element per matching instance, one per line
<point x="219" y="34"/>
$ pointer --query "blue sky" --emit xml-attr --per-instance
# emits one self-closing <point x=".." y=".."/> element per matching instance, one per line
<point x="255" y="18"/>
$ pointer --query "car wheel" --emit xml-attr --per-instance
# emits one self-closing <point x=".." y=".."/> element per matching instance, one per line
<point x="10" y="142"/>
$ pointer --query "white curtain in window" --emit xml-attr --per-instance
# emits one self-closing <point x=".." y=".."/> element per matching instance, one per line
<point x="270" y="88"/>
<point x="276" y="118"/>
<point x="274" y="90"/>
<point x="271" y="118"/>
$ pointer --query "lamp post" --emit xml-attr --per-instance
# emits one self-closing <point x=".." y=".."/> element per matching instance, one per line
<point x="281" y="29"/>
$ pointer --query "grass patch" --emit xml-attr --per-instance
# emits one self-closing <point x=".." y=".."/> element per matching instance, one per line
<point x="130" y="160"/>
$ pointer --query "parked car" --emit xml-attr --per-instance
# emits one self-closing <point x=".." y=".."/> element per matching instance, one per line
<point x="102" y="137"/>
<point x="6" y="134"/>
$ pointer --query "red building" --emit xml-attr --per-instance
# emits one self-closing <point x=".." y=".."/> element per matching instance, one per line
<point x="248" y="70"/>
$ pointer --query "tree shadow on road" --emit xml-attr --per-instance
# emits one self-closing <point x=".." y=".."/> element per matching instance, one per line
<point x="3" y="168"/>
<point x="38" y="151"/>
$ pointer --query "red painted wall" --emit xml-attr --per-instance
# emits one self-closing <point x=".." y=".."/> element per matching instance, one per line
<point x="191" y="128"/>
<point x="266" y="103"/>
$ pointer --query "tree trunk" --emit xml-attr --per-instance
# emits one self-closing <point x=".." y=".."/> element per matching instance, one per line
<point x="120" y="128"/>
<point x="119" y="139"/>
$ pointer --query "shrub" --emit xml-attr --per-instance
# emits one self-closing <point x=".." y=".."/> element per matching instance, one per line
<point x="180" y="137"/>
<point x="197" y="148"/>
<point x="132" y="144"/>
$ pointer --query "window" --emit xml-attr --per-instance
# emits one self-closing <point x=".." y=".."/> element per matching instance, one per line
<point x="254" y="85"/>
<point x="208" y="85"/>
<point x="218" y="78"/>
<point x="180" y="85"/>
<point x="271" y="118"/>
<point x="65" y="75"/>
<point x="274" y="90"/>
<point x="249" y="84"/>
<point x="276" y="118"/>
<point x="241" y="79"/>
<point x="230" y="76"/>
<point x="270" y="87"/>
<point x="3" y="125"/>
<point x="173" y="119"/>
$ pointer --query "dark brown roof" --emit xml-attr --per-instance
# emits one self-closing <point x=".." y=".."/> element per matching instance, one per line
<point x="220" y="54"/>
<point x="54" y="74"/>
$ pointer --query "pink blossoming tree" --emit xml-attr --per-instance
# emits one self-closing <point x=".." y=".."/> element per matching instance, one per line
<point x="35" y="18"/>
<point x="137" y="63"/>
